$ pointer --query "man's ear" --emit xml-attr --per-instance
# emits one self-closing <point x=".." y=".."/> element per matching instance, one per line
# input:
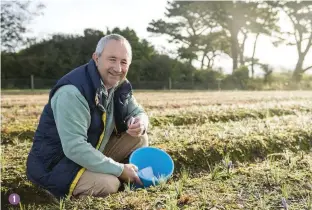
<point x="95" y="58"/>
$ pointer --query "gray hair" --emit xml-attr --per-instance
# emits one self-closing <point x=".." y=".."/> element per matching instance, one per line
<point x="104" y="40"/>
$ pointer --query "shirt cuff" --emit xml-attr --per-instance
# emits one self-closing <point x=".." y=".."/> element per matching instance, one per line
<point x="116" y="168"/>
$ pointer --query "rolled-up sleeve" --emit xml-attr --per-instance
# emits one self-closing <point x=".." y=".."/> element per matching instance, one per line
<point x="72" y="116"/>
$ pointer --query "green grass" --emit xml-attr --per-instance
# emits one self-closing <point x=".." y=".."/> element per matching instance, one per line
<point x="256" y="185"/>
<point x="248" y="155"/>
<point x="246" y="140"/>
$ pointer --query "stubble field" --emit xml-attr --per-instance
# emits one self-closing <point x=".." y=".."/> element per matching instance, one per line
<point x="232" y="150"/>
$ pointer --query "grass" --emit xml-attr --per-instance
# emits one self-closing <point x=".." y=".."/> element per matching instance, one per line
<point x="239" y="151"/>
<point x="24" y="91"/>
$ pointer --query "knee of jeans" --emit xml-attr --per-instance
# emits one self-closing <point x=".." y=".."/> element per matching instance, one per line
<point x="112" y="186"/>
<point x="143" y="140"/>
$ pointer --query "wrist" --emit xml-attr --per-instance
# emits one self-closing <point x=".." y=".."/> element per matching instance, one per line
<point x="122" y="167"/>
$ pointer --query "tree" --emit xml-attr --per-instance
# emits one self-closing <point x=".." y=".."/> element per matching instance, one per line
<point x="88" y="43"/>
<point x="60" y="53"/>
<point x="15" y="15"/>
<point x="211" y="46"/>
<point x="268" y="70"/>
<point x="194" y="24"/>
<point x="159" y="68"/>
<point x="266" y="25"/>
<point x="300" y="16"/>
<point x="187" y="26"/>
<point x="240" y="76"/>
<point x="238" y="19"/>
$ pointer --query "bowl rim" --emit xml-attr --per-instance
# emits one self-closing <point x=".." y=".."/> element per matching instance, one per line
<point x="155" y="148"/>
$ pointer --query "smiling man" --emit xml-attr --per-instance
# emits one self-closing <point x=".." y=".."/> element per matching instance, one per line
<point x="89" y="127"/>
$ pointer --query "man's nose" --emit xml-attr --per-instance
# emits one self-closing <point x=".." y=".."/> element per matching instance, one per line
<point x="117" y="67"/>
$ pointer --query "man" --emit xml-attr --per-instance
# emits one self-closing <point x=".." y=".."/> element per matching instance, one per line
<point x="89" y="127"/>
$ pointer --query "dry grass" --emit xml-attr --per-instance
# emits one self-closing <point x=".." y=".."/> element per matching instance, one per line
<point x="233" y="150"/>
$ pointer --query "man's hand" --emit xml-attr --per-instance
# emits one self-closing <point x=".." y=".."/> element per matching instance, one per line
<point x="129" y="174"/>
<point x="135" y="127"/>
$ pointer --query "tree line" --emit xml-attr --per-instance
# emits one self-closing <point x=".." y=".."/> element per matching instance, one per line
<point x="207" y="29"/>
<point x="203" y="31"/>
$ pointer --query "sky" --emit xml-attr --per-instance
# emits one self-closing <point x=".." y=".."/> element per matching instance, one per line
<point x="73" y="16"/>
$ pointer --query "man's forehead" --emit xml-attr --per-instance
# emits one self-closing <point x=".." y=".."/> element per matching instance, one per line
<point x="116" y="49"/>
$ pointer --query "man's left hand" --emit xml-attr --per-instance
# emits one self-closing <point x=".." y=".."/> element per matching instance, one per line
<point x="136" y="127"/>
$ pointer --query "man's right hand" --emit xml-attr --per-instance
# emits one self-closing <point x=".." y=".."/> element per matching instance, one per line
<point x="129" y="173"/>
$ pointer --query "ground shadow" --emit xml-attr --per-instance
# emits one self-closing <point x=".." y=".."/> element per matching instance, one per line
<point x="28" y="194"/>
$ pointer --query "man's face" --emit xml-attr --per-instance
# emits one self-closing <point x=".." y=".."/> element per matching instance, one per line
<point x="113" y="64"/>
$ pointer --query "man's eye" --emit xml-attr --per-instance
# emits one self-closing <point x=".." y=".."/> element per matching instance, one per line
<point x="112" y="59"/>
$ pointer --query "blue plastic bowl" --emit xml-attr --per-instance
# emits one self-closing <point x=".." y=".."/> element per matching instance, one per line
<point x="160" y="161"/>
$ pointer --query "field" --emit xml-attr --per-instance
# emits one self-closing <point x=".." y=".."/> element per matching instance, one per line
<point x="232" y="150"/>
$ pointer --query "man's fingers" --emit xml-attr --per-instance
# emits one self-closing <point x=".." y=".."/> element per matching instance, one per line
<point x="137" y="180"/>
<point x="135" y="132"/>
<point x="138" y="129"/>
<point x="135" y="168"/>
<point x="131" y="133"/>
<point x="135" y="125"/>
<point x="133" y="122"/>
